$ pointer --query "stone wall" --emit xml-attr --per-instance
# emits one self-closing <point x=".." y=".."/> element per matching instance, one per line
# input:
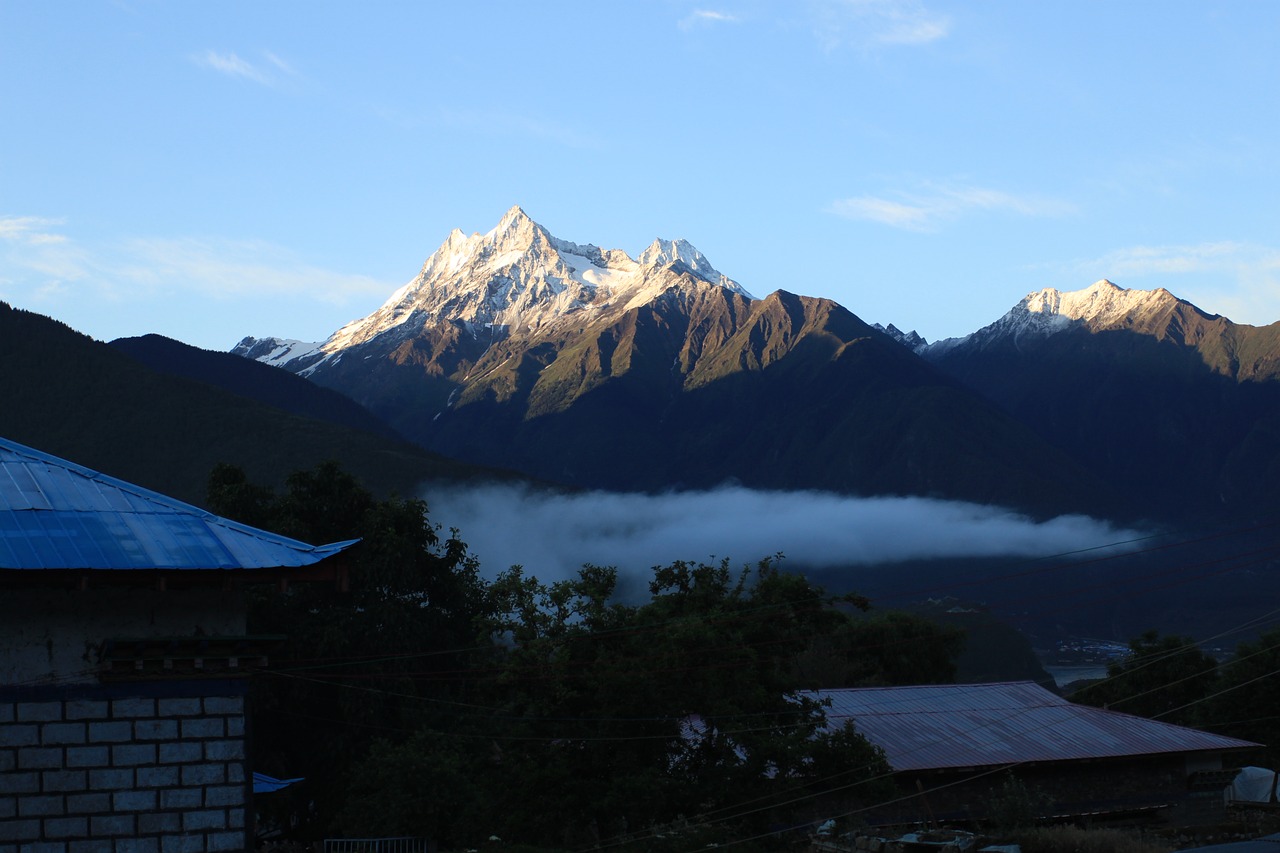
<point x="147" y="767"/>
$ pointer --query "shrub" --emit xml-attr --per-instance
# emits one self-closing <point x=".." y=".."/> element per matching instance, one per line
<point x="1073" y="839"/>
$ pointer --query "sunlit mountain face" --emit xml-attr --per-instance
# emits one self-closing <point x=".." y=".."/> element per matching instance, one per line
<point x="586" y="366"/>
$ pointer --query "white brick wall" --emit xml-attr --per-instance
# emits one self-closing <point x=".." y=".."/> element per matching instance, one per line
<point x="123" y="775"/>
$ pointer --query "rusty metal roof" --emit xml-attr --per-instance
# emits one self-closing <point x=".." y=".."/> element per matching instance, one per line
<point x="58" y="515"/>
<point x="984" y="725"/>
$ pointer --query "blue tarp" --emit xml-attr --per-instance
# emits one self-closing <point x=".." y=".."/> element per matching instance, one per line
<point x="264" y="784"/>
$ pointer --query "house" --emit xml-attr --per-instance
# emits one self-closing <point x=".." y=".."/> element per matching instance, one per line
<point x="953" y="747"/>
<point x="124" y="661"/>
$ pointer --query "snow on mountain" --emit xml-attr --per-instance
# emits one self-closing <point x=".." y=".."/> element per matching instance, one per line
<point x="911" y="340"/>
<point x="516" y="277"/>
<point x="276" y="351"/>
<point x="662" y="253"/>
<point x="1102" y="305"/>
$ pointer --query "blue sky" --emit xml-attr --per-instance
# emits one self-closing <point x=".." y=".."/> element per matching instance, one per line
<point x="214" y="170"/>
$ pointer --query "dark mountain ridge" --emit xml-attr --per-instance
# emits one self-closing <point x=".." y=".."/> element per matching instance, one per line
<point x="92" y="404"/>
<point x="277" y="388"/>
<point x="1178" y="409"/>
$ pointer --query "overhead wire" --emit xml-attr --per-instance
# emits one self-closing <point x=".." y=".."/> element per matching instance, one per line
<point x="738" y="815"/>
<point x="705" y="667"/>
<point x="739" y="615"/>
<point x="774" y="803"/>
<point x="357" y="660"/>
<point x="1252" y="621"/>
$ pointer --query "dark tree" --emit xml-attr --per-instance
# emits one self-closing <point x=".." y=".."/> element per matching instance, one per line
<point x="361" y="664"/>
<point x="1247" y="700"/>
<point x="1164" y="678"/>
<point x="425" y="701"/>
<point x="613" y="721"/>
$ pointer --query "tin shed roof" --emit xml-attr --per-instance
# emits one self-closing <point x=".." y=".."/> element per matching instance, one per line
<point x="58" y="515"/>
<point x="982" y="725"/>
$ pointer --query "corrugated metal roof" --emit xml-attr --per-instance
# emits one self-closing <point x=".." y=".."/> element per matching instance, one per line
<point x="982" y="725"/>
<point x="58" y="515"/>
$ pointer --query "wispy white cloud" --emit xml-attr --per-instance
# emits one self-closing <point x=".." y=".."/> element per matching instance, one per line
<point x="38" y="259"/>
<point x="207" y="291"/>
<point x="1202" y="257"/>
<point x="865" y="23"/>
<point x="233" y="65"/>
<point x="925" y="209"/>
<point x="30" y="230"/>
<point x="231" y="268"/>
<point x="899" y="214"/>
<point x="706" y="17"/>
<point x="279" y="63"/>
<point x="44" y="266"/>
<point x="507" y="123"/>
<point x="553" y="535"/>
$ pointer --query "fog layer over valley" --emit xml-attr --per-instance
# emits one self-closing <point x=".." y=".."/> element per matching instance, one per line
<point x="553" y="534"/>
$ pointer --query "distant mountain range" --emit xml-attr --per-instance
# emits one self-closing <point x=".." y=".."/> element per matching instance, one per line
<point x="584" y="366"/>
<point x="579" y="365"/>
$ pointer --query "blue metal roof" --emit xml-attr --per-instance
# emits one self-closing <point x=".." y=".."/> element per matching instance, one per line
<point x="58" y="515"/>
<point x="983" y="725"/>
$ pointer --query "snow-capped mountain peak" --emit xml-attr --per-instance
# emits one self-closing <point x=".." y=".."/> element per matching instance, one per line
<point x="912" y="340"/>
<point x="519" y="276"/>
<point x="661" y="253"/>
<point x="515" y="230"/>
<point x="1102" y="305"/>
<point x="665" y="253"/>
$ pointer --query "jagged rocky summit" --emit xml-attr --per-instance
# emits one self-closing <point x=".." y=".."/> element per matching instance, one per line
<point x="515" y="278"/>
<point x="911" y="340"/>
<point x="1101" y="306"/>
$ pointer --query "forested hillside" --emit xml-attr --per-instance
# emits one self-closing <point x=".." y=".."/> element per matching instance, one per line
<point x="82" y="400"/>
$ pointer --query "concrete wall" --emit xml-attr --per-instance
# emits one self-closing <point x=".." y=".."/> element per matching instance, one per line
<point x="53" y="636"/>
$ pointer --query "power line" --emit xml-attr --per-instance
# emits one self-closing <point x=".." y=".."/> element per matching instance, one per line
<point x="774" y="803"/>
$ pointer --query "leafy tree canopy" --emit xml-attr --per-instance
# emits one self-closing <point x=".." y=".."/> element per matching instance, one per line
<point x="457" y="708"/>
<point x="1162" y="677"/>
<point x="1246" y="700"/>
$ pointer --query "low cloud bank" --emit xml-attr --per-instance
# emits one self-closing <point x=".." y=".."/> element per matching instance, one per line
<point x="552" y="535"/>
